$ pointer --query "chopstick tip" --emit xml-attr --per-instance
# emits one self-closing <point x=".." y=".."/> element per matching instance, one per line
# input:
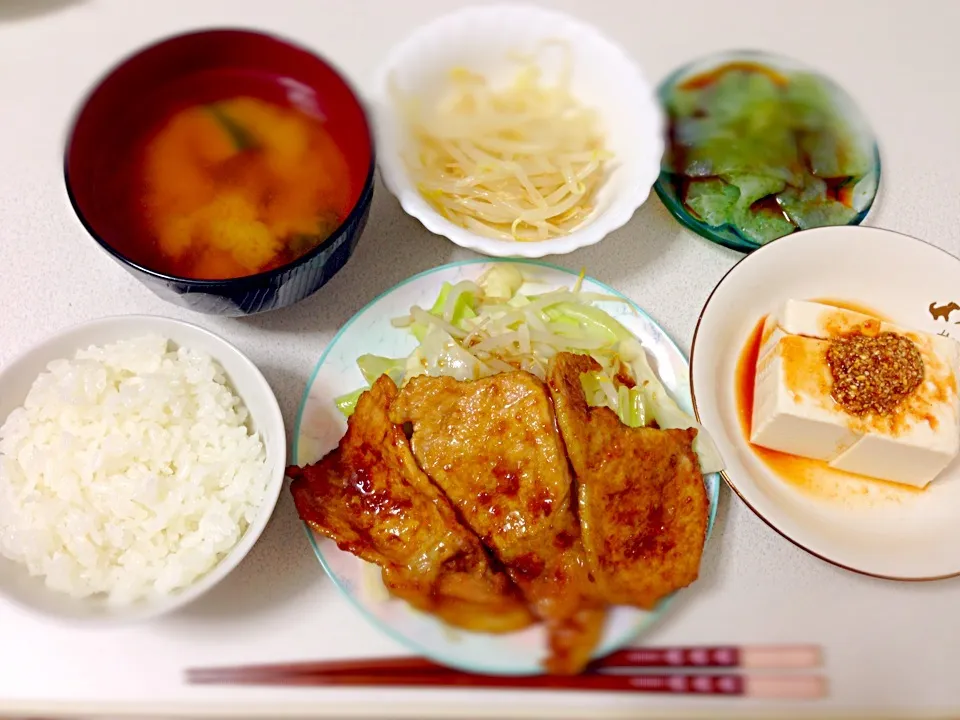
<point x="785" y="687"/>
<point x="783" y="657"/>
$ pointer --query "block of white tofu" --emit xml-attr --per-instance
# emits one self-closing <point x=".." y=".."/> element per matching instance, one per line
<point x="825" y="322"/>
<point x="914" y="456"/>
<point x="813" y="319"/>
<point x="792" y="408"/>
<point x="794" y="411"/>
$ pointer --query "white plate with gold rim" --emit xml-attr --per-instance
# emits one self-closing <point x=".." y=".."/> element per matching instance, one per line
<point x="867" y="526"/>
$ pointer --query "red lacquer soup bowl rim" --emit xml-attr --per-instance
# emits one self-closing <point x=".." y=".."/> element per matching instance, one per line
<point x="359" y="205"/>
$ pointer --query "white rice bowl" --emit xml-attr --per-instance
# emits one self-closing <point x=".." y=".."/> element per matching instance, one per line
<point x="131" y="471"/>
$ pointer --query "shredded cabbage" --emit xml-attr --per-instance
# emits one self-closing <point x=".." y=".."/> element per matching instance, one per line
<point x="348" y="403"/>
<point x="478" y="329"/>
<point x="373" y="366"/>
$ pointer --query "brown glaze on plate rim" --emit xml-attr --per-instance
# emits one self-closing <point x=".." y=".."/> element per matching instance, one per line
<point x="724" y="474"/>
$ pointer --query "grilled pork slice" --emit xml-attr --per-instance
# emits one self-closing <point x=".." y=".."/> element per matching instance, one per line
<point x="370" y="497"/>
<point x="642" y="501"/>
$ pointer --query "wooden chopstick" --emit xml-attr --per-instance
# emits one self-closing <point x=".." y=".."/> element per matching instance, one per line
<point x="794" y="687"/>
<point x="368" y="667"/>
<point x="419" y="672"/>
<point x="754" y="657"/>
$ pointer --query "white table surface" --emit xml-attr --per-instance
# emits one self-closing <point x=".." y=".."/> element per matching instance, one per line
<point x="888" y="645"/>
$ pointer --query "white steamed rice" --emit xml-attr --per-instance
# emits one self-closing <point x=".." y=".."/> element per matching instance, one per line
<point x="130" y="471"/>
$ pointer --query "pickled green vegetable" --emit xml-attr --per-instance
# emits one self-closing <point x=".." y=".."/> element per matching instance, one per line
<point x="812" y="207"/>
<point x="764" y="152"/>
<point x="712" y="200"/>
<point x="764" y="225"/>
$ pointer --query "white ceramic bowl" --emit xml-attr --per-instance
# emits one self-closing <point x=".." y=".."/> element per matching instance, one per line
<point x="247" y="381"/>
<point x="481" y="39"/>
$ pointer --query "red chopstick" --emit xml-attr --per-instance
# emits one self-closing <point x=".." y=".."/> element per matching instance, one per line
<point x="419" y="672"/>
<point x="780" y="657"/>
<point x="755" y="657"/>
<point x="796" y="687"/>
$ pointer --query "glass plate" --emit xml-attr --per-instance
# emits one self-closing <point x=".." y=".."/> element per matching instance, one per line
<point x="728" y="235"/>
